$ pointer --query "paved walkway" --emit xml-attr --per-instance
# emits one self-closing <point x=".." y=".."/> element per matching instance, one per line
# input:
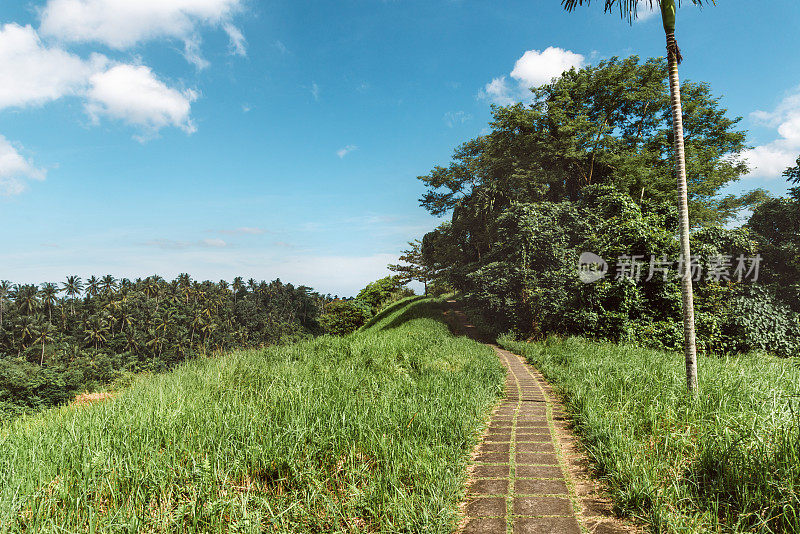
<point x="518" y="482"/>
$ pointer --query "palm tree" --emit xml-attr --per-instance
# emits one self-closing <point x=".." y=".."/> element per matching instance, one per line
<point x="92" y="286"/>
<point x="627" y="9"/>
<point x="5" y="292"/>
<point x="96" y="330"/>
<point x="26" y="297"/>
<point x="49" y="296"/>
<point x="44" y="336"/>
<point x="73" y="287"/>
<point x="108" y="283"/>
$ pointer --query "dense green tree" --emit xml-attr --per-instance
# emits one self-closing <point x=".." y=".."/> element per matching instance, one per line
<point x="49" y="296"/>
<point x="606" y="124"/>
<point x="776" y="224"/>
<point x="5" y="292"/>
<point x="73" y="287"/>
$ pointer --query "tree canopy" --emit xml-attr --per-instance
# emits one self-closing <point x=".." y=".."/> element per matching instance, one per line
<point x="605" y="124"/>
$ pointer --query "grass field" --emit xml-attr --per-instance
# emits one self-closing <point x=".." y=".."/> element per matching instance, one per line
<point x="727" y="461"/>
<point x="369" y="432"/>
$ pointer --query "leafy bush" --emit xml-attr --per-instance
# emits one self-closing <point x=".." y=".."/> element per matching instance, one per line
<point x="379" y="292"/>
<point x="755" y="320"/>
<point x="342" y="317"/>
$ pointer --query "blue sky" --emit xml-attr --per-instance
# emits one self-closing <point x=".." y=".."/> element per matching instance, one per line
<point x="282" y="138"/>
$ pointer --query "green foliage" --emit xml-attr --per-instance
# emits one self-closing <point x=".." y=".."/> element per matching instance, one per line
<point x="379" y="292"/>
<point x="776" y="225"/>
<point x="366" y="433"/>
<point x="605" y="124"/>
<point x="414" y="266"/>
<point x="756" y="321"/>
<point x="343" y="317"/>
<point x="726" y="460"/>
<point x="53" y="346"/>
<point x="587" y="167"/>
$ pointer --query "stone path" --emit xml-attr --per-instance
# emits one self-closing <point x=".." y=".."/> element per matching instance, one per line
<point x="518" y="483"/>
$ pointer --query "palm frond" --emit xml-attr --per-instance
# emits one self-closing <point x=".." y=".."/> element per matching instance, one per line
<point x="628" y="8"/>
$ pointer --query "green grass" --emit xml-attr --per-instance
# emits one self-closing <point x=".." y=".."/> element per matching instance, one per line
<point x="727" y="461"/>
<point x="365" y="433"/>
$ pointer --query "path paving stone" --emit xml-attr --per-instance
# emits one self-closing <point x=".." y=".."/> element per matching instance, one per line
<point x="518" y="481"/>
<point x="534" y="486"/>
<point x="487" y="507"/>
<point x="546" y="525"/>
<point x="491" y="486"/>
<point x="484" y="525"/>
<point x="542" y="506"/>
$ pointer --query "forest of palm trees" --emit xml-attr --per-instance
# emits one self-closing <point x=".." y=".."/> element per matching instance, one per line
<point x="59" y="339"/>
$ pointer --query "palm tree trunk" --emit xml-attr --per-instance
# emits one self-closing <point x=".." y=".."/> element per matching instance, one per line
<point x="673" y="58"/>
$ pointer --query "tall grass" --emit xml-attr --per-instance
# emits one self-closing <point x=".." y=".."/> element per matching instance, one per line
<point x="364" y="433"/>
<point x="726" y="461"/>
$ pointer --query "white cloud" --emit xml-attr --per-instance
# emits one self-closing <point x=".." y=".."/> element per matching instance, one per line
<point x="453" y="118"/>
<point x="342" y="152"/>
<point x="246" y="230"/>
<point x="281" y="47"/>
<point x="214" y="242"/>
<point x="771" y="159"/>
<point x="533" y="69"/>
<point x="646" y="11"/>
<point x="132" y="93"/>
<point x="499" y="92"/>
<point x="15" y="170"/>
<point x="34" y="74"/>
<point x="238" y="43"/>
<point x="192" y="53"/>
<point x="315" y="90"/>
<point x="536" y="68"/>
<point x="123" y="24"/>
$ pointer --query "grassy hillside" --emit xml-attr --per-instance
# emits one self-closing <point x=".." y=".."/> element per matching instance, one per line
<point x="726" y="461"/>
<point x="364" y="433"/>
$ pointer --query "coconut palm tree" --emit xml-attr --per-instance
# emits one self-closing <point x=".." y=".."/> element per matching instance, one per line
<point x="93" y="286"/>
<point x="108" y="284"/>
<point x="628" y="10"/>
<point x="73" y="287"/>
<point x="5" y="292"/>
<point x="26" y="297"/>
<point x="49" y="295"/>
<point x="44" y="336"/>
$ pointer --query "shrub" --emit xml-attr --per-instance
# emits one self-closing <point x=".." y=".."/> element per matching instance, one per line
<point x="379" y="292"/>
<point x="342" y="317"/>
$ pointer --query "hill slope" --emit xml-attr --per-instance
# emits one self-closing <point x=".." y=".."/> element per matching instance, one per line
<point x="366" y="432"/>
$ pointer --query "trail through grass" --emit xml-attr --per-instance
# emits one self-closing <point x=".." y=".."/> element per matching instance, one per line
<point x="369" y="432"/>
<point x="727" y="461"/>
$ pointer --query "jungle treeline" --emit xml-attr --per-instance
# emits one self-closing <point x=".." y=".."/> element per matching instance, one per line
<point x="58" y="339"/>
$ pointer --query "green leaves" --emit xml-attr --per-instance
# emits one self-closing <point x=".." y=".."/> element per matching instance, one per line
<point x="629" y="9"/>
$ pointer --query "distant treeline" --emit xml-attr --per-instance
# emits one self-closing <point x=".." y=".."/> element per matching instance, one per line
<point x="59" y="339"/>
